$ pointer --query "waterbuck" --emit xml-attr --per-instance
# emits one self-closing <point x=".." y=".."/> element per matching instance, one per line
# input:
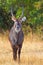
<point x="16" y="35"/>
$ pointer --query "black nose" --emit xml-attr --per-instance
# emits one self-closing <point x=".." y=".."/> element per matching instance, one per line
<point x="18" y="27"/>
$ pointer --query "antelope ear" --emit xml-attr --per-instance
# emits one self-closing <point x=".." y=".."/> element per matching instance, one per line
<point x="13" y="18"/>
<point x="23" y="19"/>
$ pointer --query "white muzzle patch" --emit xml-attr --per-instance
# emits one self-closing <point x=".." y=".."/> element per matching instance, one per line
<point x="17" y="30"/>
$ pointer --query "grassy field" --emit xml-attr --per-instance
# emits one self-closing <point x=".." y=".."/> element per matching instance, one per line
<point x="31" y="54"/>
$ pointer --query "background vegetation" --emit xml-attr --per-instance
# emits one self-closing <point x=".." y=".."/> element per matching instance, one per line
<point x="33" y="10"/>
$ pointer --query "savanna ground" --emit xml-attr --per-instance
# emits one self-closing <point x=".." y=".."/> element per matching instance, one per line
<point x="31" y="54"/>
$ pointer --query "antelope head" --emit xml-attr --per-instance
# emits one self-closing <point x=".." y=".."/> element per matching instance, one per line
<point x="17" y="24"/>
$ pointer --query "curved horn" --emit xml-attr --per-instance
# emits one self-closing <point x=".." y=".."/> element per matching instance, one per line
<point x="13" y="17"/>
<point x="22" y="13"/>
<point x="11" y="12"/>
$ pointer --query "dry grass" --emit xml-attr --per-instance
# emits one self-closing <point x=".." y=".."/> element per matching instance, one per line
<point x="31" y="54"/>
